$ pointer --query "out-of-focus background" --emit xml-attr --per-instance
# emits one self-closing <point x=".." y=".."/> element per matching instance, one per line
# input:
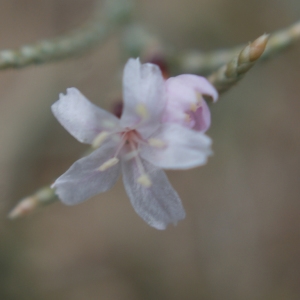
<point x="241" y="235"/>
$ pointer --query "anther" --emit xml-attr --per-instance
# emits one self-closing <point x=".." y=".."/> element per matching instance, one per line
<point x="108" y="164"/>
<point x="142" y="111"/>
<point x="131" y="155"/>
<point x="193" y="107"/>
<point x="144" y="180"/>
<point x="199" y="98"/>
<point x="187" y="118"/>
<point x="99" y="139"/>
<point x="157" y="143"/>
<point x="108" y="124"/>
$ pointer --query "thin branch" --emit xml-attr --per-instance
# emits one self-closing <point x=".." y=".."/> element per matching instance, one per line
<point x="104" y="21"/>
<point x="41" y="198"/>
<point x="282" y="40"/>
<point x="229" y="74"/>
<point x="205" y="62"/>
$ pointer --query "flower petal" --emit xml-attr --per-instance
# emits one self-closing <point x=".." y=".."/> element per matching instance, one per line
<point x="83" y="180"/>
<point x="144" y="96"/>
<point x="181" y="89"/>
<point x="185" y="105"/>
<point x="81" y="118"/>
<point x="159" y="204"/>
<point x="184" y="148"/>
<point x="201" y="118"/>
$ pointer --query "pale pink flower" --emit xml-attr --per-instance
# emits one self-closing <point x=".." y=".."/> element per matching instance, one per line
<point x="138" y="143"/>
<point x="185" y="104"/>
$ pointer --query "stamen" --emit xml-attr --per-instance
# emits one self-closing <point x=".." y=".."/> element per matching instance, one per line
<point x="142" y="111"/>
<point x="131" y="155"/>
<point x="108" y="124"/>
<point x="108" y="164"/>
<point x="156" y="143"/>
<point x="99" y="139"/>
<point x="144" y="180"/>
<point x="187" y="118"/>
<point x="199" y="99"/>
<point x="193" y="107"/>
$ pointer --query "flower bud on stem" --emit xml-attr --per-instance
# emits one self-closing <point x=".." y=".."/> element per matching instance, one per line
<point x="229" y="74"/>
<point x="42" y="197"/>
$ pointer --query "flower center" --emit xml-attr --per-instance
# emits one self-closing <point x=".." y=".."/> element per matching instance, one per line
<point x="130" y="139"/>
<point x="189" y="115"/>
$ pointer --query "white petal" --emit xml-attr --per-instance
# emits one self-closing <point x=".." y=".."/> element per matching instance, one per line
<point x="83" y="180"/>
<point x="201" y="118"/>
<point x="184" y="148"/>
<point x="159" y="204"/>
<point x="180" y="89"/>
<point x="144" y="96"/>
<point x="81" y="118"/>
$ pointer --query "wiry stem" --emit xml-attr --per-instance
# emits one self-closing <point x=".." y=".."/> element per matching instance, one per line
<point x="112" y="14"/>
<point x="232" y="72"/>
<point x="42" y="197"/>
<point x="282" y="39"/>
<point x="205" y="62"/>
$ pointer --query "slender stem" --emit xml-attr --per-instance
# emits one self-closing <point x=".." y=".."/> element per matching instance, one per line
<point x="205" y="62"/>
<point x="111" y="15"/>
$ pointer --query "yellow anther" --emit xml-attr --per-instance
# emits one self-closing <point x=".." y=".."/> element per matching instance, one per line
<point x="156" y="143"/>
<point x="199" y="102"/>
<point x="144" y="180"/>
<point x="142" y="111"/>
<point x="187" y="118"/>
<point x="99" y="139"/>
<point x="108" y="124"/>
<point x="199" y="99"/>
<point x="110" y="163"/>
<point x="193" y="107"/>
<point x="131" y="155"/>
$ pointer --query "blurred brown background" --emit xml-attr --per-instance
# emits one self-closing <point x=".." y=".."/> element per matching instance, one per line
<point x="241" y="236"/>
